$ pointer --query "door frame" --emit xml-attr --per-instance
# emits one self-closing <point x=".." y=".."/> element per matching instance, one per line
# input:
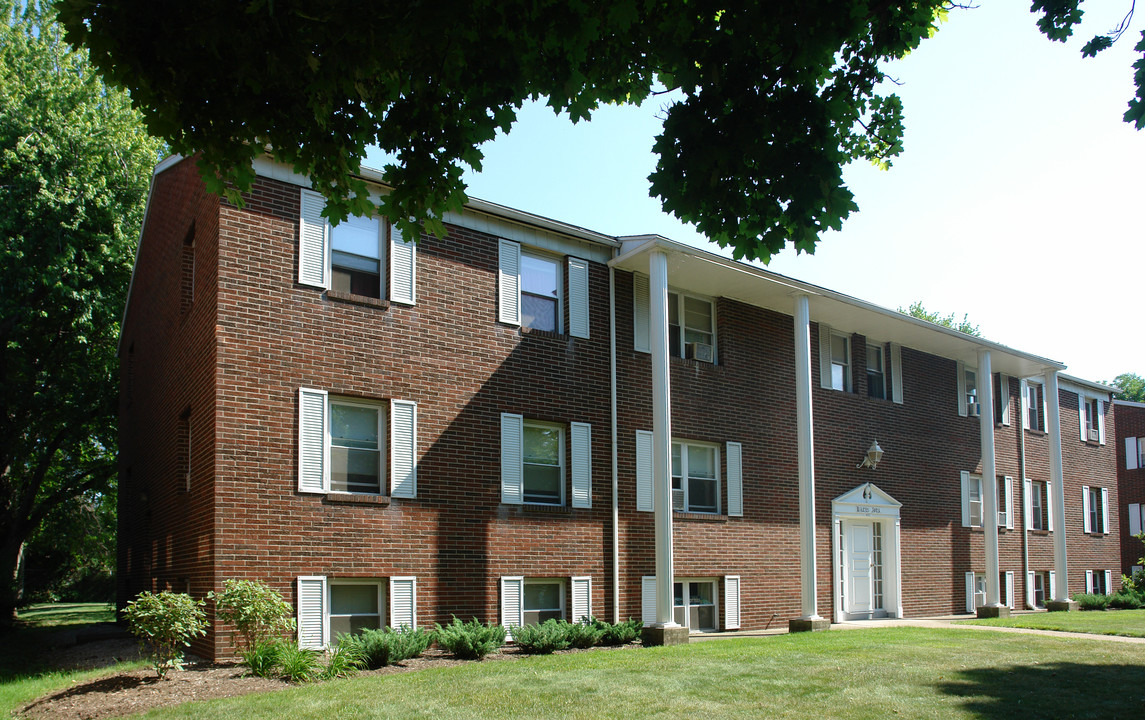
<point x="868" y="503"/>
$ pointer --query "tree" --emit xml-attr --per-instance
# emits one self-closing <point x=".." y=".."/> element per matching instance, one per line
<point x="1132" y="387"/>
<point x="963" y="326"/>
<point x="775" y="97"/>
<point x="74" y="167"/>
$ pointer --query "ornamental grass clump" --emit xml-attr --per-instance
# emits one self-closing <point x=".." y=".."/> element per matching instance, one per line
<point x="165" y="623"/>
<point x="263" y="658"/>
<point x="549" y="636"/>
<point x="343" y="661"/>
<point x="470" y="641"/>
<point x="299" y="665"/>
<point x="379" y="648"/>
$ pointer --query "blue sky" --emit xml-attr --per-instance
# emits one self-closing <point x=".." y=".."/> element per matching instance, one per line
<point x="1016" y="201"/>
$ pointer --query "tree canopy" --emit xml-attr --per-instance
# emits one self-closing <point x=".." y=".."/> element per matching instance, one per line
<point x="1132" y="387"/>
<point x="964" y="325"/>
<point x="75" y="162"/>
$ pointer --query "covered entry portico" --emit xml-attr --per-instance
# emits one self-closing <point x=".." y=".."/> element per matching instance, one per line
<point x="866" y="557"/>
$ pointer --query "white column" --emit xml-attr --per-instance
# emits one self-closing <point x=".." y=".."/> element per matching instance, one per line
<point x="1053" y="427"/>
<point x="661" y="436"/>
<point x="989" y="475"/>
<point x="806" y="454"/>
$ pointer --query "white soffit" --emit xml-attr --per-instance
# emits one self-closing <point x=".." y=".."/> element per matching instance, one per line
<point x="705" y="273"/>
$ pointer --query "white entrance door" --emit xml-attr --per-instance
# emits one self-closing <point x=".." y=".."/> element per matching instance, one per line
<point x="859" y="567"/>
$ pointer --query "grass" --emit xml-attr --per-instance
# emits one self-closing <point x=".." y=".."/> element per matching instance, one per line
<point x="1130" y="623"/>
<point x="24" y="672"/>
<point x="877" y="673"/>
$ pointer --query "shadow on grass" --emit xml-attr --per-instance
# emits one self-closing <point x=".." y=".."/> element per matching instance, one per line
<point x="64" y="614"/>
<point x="1060" y="690"/>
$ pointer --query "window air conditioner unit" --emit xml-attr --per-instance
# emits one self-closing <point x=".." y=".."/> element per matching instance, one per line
<point x="973" y="409"/>
<point x="678" y="500"/>
<point x="1092" y="435"/>
<point x="700" y="351"/>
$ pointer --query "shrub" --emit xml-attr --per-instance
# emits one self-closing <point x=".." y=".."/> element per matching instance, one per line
<point x="544" y="638"/>
<point x="165" y="623"/>
<point x="379" y="648"/>
<point x="257" y="612"/>
<point x="264" y="657"/>
<point x="584" y="635"/>
<point x="298" y="664"/>
<point x="621" y="633"/>
<point x="1126" y="600"/>
<point x="471" y="640"/>
<point x="1090" y="601"/>
<point x="343" y="661"/>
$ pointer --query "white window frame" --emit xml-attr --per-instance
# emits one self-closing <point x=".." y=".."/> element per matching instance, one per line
<point x="682" y="350"/>
<point x="1095" y="509"/>
<point x="715" y="585"/>
<point x="1091" y="416"/>
<point x="848" y="382"/>
<point x="558" y="266"/>
<point x="684" y="477"/>
<point x="1040" y="577"/>
<point x="525" y="425"/>
<point x="1036" y="388"/>
<point x="383" y="446"/>
<point x="1040" y="513"/>
<point x="1093" y="577"/>
<point x="382" y="254"/>
<point x="333" y="582"/>
<point x="882" y="371"/>
<point x="560" y="582"/>
<point x="976" y="484"/>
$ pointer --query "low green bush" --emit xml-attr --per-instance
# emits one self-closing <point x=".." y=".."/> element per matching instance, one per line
<point x="256" y="612"/>
<point x="1090" y="601"/>
<point x="165" y="623"/>
<point x="298" y="664"/>
<point x="379" y="648"/>
<point x="620" y="633"/>
<point x="1126" y="600"/>
<point x="584" y="635"/>
<point x="264" y="657"/>
<point x="542" y="639"/>
<point x="470" y="641"/>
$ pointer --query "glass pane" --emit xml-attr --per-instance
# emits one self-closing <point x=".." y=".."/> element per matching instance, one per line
<point x="839" y="352"/>
<point x="354" y="262"/>
<point x="875" y="358"/>
<point x="352" y="426"/>
<point x="539" y="275"/>
<point x="698" y="314"/>
<point x="702" y="495"/>
<point x="837" y="378"/>
<point x="673" y="309"/>
<point x="679" y="616"/>
<point x="700" y="593"/>
<point x="542" y="596"/>
<point x="353" y="599"/>
<point x="542" y="445"/>
<point x="539" y="313"/>
<point x="971" y="384"/>
<point x="678" y="592"/>
<point x="357" y="235"/>
<point x="354" y="470"/>
<point x="703" y="618"/>
<point x="536" y="617"/>
<point x="701" y="461"/>
<point x="340" y="626"/>
<point x="696" y="336"/>
<point x="359" y="623"/>
<point x="542" y="484"/>
<point x="875" y="385"/>
<point x="674" y="341"/>
<point x="675" y="460"/>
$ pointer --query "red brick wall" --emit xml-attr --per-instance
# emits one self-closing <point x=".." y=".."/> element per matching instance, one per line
<point x="1130" y="420"/>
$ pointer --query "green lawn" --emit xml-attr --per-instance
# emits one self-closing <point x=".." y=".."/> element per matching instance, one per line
<point x="1108" y="622"/>
<point x="24" y="671"/>
<point x="877" y="673"/>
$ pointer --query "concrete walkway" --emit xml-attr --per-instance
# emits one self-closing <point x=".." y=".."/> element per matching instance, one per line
<point x="945" y="621"/>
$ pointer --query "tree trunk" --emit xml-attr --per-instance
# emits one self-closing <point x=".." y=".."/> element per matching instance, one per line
<point x="11" y="585"/>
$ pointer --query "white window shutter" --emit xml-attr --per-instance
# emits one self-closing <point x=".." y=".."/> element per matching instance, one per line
<point x="1089" y="581"/>
<point x="825" y="356"/>
<point x="1027" y="507"/>
<point x="312" y="612"/>
<point x="1049" y="507"/>
<point x="1108" y="583"/>
<point x="1052" y="589"/>
<point x="969" y="592"/>
<point x="1029" y="589"/>
<point x="965" y="498"/>
<point x="403" y="449"/>
<point x="509" y="283"/>
<point x="1131" y="453"/>
<point x="1105" y="510"/>
<point x="1004" y="397"/>
<point x="648" y="599"/>
<point x="641" y="313"/>
<point x="1024" y="404"/>
<point x="313" y="241"/>
<point x="403" y="602"/>
<point x="731" y="602"/>
<point x="1085" y="509"/>
<point x="1009" y="509"/>
<point x="581" y="440"/>
<point x="1101" y="421"/>
<point x="1134" y="518"/>
<point x="403" y="268"/>
<point x="581" y="605"/>
<point x="1081" y="415"/>
<point x="961" y="370"/>
<point x="512" y="459"/>
<point x="312" y="447"/>
<point x="1010" y="589"/>
<point x="578" y="297"/>
<point x="896" y="373"/>
<point x="735" y="479"/>
<point x="512" y="604"/>
<point x="1044" y="419"/>
<point x="644" y="470"/>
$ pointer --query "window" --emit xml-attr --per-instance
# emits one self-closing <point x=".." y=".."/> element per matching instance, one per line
<point x="975" y="501"/>
<point x="1097" y="582"/>
<point x="876" y="372"/>
<point x="695" y="604"/>
<point x="1033" y="406"/>
<point x="1136" y="512"/>
<point x="355" y="605"/>
<point x="695" y="477"/>
<point x="976" y="590"/>
<point x="1041" y="581"/>
<point x="1039" y="507"/>
<point x="344" y="444"/>
<point x="544" y="460"/>
<point x="1091" y="417"/>
<point x="841" y="362"/>
<point x="1095" y="509"/>
<point x="971" y="380"/>
<point x="540" y="292"/>
<point x="543" y="600"/>
<point x="356" y="256"/>
<point x="690" y="320"/>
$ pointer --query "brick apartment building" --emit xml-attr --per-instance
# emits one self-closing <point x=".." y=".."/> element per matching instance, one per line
<point x="1130" y="419"/>
<point x="391" y="433"/>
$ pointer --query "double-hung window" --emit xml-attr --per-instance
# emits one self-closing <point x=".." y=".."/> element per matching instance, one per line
<point x="1095" y="509"/>
<point x="1039" y="506"/>
<point x="1098" y="582"/>
<point x="694" y="604"/>
<point x="1033" y="406"/>
<point x="695" y="477"/>
<point x="967" y="391"/>
<point x="356" y="253"/>
<point x="355" y="605"/>
<point x="1091" y="418"/>
<point x="973" y="507"/>
<point x="543" y="600"/>
<point x="532" y="601"/>
<point x="691" y="322"/>
<point x="331" y="607"/>
<point x="540" y="292"/>
<point x="531" y="290"/>
<point x="345" y="443"/>
<point x="975" y="491"/>
<point x="1041" y="583"/>
<point x="533" y="462"/>
<point x="544" y="464"/>
<point x="876" y="371"/>
<point x="1134" y="453"/>
<point x="840" y="362"/>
